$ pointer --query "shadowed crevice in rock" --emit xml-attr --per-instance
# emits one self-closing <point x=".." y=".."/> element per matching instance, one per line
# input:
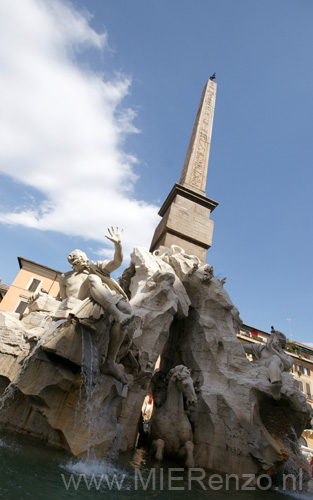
<point x="4" y="382"/>
<point x="63" y="362"/>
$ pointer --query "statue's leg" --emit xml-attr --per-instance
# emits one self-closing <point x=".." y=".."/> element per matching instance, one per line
<point x="274" y="369"/>
<point x="189" y="449"/>
<point x="104" y="297"/>
<point x="126" y="309"/>
<point x="110" y="367"/>
<point x="159" y="444"/>
<point x="274" y="372"/>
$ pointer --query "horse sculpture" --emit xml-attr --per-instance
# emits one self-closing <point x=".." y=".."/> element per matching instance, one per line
<point x="170" y="427"/>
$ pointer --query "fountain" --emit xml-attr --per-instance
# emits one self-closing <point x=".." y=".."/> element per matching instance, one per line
<point x="74" y="371"/>
<point x="180" y="313"/>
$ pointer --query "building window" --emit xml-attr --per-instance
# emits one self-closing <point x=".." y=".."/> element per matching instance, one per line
<point x="21" y="308"/>
<point x="34" y="285"/>
<point x="308" y="391"/>
<point x="301" y="386"/>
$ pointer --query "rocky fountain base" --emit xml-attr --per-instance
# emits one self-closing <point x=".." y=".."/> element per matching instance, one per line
<point x="53" y="390"/>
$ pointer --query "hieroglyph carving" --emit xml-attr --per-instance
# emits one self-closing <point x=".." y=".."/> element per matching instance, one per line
<point x="197" y="157"/>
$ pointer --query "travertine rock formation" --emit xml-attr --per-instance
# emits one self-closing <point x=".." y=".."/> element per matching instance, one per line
<point x="185" y="316"/>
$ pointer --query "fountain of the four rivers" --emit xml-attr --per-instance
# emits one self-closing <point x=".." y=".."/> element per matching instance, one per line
<point x="75" y="370"/>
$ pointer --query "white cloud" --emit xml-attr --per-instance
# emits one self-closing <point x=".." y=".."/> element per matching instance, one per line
<point x="62" y="126"/>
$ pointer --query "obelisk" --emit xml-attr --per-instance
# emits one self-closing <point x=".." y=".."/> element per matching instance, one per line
<point x="186" y="211"/>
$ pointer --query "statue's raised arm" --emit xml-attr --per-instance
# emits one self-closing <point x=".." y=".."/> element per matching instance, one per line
<point x="115" y="235"/>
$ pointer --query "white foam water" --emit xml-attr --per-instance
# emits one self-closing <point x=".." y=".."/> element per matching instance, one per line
<point x="95" y="475"/>
<point x="91" y="467"/>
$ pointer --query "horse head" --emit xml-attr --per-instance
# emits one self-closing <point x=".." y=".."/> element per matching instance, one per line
<point x="181" y="376"/>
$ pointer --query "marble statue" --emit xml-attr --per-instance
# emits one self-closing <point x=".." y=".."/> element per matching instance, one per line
<point x="273" y="356"/>
<point x="170" y="427"/>
<point x="97" y="292"/>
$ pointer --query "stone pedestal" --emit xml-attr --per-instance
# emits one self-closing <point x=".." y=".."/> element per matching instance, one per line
<point x="185" y="222"/>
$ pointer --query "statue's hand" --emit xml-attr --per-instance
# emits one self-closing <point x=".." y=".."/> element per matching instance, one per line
<point x="115" y="235"/>
<point x="33" y="297"/>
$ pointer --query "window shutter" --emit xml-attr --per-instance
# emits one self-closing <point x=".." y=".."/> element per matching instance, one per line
<point x="34" y="285"/>
<point x="308" y="390"/>
<point x="21" y="308"/>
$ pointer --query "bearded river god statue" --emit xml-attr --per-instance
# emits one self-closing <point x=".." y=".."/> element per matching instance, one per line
<point x="231" y="420"/>
<point x="96" y="293"/>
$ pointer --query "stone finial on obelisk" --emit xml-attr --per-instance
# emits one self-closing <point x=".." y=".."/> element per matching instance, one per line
<point x="186" y="211"/>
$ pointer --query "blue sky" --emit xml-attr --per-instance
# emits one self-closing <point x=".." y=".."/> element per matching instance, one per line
<point x="98" y="102"/>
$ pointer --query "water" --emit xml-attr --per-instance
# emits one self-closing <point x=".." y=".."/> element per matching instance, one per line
<point x="31" y="471"/>
<point x="87" y="390"/>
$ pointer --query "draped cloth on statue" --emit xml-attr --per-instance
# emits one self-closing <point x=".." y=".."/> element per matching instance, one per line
<point x="89" y="308"/>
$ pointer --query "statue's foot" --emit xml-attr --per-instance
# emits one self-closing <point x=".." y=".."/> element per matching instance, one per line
<point x="125" y="319"/>
<point x="112" y="368"/>
<point x="277" y="382"/>
<point x="276" y="388"/>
